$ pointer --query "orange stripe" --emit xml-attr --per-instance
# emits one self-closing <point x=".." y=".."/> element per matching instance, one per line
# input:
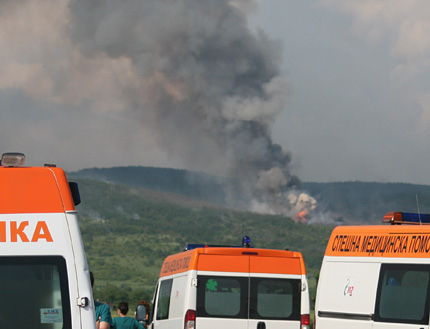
<point x="234" y="260"/>
<point x="34" y="190"/>
<point x="275" y="265"/>
<point x="223" y="263"/>
<point x="302" y="262"/>
<point x="409" y="241"/>
<point x="179" y="263"/>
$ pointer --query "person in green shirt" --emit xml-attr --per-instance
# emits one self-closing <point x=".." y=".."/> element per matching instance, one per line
<point x="103" y="315"/>
<point x="123" y="321"/>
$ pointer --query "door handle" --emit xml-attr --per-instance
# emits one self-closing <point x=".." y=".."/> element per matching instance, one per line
<point x="261" y="325"/>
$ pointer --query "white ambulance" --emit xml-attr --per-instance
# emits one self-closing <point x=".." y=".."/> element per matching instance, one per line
<point x="43" y="269"/>
<point x="208" y="287"/>
<point x="376" y="276"/>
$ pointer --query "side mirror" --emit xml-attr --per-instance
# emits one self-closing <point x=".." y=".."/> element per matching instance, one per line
<point x="74" y="189"/>
<point x="141" y="314"/>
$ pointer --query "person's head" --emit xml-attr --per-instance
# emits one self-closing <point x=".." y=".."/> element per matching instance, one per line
<point x="144" y="302"/>
<point x="123" y="308"/>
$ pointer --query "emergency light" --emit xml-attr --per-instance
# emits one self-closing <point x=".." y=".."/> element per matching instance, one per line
<point x="406" y="218"/>
<point x="246" y="242"/>
<point x="12" y="160"/>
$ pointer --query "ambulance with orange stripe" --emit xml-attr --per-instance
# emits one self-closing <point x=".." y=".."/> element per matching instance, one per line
<point x="213" y="287"/>
<point x="43" y="270"/>
<point x="376" y="276"/>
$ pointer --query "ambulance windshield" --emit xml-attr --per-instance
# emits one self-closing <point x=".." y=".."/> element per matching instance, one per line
<point x="34" y="293"/>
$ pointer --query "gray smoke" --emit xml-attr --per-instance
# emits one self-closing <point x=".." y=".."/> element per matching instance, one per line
<point x="207" y="88"/>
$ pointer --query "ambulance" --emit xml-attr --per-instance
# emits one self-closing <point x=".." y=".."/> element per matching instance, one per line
<point x="43" y="269"/>
<point x="376" y="276"/>
<point x="213" y="287"/>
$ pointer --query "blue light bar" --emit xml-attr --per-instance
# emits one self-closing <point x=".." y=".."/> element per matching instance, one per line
<point x="406" y="217"/>
<point x="415" y="218"/>
<point x="191" y="246"/>
<point x="246" y="243"/>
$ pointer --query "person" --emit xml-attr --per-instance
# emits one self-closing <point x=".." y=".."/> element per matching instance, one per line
<point x="143" y="318"/>
<point x="123" y="321"/>
<point x="103" y="315"/>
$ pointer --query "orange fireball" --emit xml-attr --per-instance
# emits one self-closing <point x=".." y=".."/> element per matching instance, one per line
<point x="301" y="216"/>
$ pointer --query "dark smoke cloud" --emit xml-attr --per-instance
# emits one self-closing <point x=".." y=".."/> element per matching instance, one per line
<point x="208" y="88"/>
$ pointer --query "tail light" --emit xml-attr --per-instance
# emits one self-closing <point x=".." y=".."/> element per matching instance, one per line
<point x="190" y="320"/>
<point x="305" y="321"/>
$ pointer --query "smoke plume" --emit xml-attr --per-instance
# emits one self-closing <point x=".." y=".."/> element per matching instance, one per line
<point x="209" y="86"/>
<point x="200" y="83"/>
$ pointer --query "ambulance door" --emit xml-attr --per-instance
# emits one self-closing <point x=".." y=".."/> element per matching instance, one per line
<point x="170" y="303"/>
<point x="402" y="300"/>
<point x="346" y="293"/>
<point x="222" y="292"/>
<point x="275" y="299"/>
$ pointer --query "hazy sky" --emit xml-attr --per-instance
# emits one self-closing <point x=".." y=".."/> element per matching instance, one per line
<point x="360" y="100"/>
<point x="354" y="101"/>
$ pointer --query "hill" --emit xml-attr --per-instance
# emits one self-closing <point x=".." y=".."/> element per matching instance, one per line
<point x="342" y="202"/>
<point x="133" y="217"/>
<point x="128" y="231"/>
<point x="196" y="185"/>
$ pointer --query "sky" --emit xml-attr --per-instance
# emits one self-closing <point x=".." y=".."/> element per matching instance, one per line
<point x="327" y="90"/>
<point x="360" y="100"/>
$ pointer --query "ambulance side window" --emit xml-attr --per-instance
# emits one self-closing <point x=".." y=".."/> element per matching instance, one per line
<point x="403" y="294"/>
<point x="34" y="293"/>
<point x="164" y="299"/>
<point x="219" y="296"/>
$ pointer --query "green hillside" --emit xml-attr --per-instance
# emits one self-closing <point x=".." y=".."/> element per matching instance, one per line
<point x="192" y="184"/>
<point x="133" y="217"/>
<point x="128" y="231"/>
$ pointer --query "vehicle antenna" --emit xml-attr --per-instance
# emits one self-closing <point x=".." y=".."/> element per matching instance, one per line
<point x="418" y="208"/>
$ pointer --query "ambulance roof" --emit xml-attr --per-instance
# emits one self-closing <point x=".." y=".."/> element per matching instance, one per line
<point x="227" y="259"/>
<point x="34" y="190"/>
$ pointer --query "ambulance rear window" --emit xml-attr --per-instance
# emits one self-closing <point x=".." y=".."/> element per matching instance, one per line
<point x="34" y="293"/>
<point x="244" y="297"/>
<point x="276" y="299"/>
<point x="403" y="294"/>
<point x="219" y="296"/>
